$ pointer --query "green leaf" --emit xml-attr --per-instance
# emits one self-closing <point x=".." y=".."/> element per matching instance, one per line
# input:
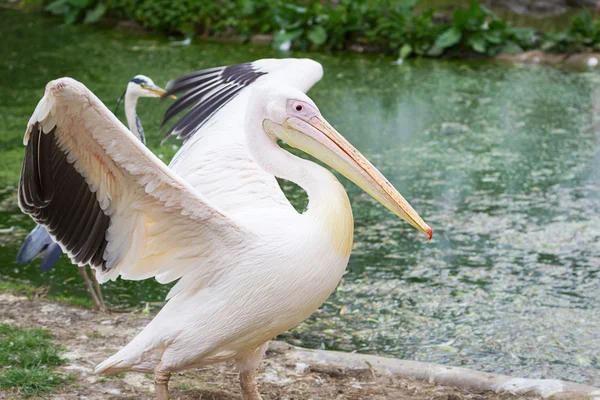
<point x="317" y="35"/>
<point x="71" y="16"/>
<point x="405" y="50"/>
<point x="435" y="51"/>
<point x="498" y="25"/>
<point x="448" y="39"/>
<point x="295" y="8"/>
<point x="474" y="10"/>
<point x="478" y="44"/>
<point x="548" y="44"/>
<point x="95" y="14"/>
<point x="58" y="7"/>
<point x="525" y="36"/>
<point x="494" y="37"/>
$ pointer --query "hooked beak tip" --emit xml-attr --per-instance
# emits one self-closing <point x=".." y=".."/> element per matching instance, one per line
<point x="429" y="234"/>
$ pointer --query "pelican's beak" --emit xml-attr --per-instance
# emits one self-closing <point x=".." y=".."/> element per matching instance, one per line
<point x="158" y="91"/>
<point x="322" y="141"/>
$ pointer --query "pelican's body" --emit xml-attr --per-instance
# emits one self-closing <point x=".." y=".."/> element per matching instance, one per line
<point x="278" y="281"/>
<point x="249" y="265"/>
<point x="39" y="242"/>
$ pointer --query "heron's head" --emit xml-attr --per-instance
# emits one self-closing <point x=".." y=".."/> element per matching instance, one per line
<point x="291" y="116"/>
<point x="142" y="86"/>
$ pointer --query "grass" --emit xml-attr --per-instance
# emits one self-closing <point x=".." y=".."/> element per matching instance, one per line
<point x="28" y="358"/>
<point x="30" y="291"/>
<point x="20" y="288"/>
<point x="72" y="300"/>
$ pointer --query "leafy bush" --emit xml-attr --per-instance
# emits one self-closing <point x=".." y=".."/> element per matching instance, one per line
<point x="393" y="26"/>
<point x="583" y="33"/>
<point x="210" y="18"/>
<point x="405" y="31"/>
<point x="477" y="28"/>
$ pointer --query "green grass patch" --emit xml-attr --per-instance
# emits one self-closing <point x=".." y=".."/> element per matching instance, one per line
<point x="72" y="300"/>
<point x="31" y="291"/>
<point x="27" y="361"/>
<point x="20" y="288"/>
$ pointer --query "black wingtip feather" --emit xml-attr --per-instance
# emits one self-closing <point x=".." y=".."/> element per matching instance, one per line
<point x="204" y="97"/>
<point x="57" y="196"/>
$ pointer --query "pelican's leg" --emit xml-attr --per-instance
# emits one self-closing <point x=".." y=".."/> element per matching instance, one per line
<point x="247" y="367"/>
<point x="100" y="306"/>
<point x="161" y="383"/>
<point x="98" y="291"/>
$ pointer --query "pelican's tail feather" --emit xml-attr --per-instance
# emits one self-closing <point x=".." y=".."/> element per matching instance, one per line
<point x="122" y="362"/>
<point x="109" y="366"/>
<point x="138" y="356"/>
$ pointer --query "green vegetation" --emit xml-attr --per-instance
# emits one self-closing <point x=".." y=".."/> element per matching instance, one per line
<point x="20" y="288"/>
<point x="584" y="33"/>
<point x="27" y="361"/>
<point x="72" y="300"/>
<point x="26" y="289"/>
<point x="390" y="26"/>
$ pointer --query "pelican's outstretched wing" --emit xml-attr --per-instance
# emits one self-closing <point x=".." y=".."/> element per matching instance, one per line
<point x="106" y="198"/>
<point x="215" y="159"/>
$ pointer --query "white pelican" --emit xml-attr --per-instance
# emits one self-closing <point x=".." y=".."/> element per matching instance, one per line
<point x="249" y="265"/>
<point x="39" y="241"/>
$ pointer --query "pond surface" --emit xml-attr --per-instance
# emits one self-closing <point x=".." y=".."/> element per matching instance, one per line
<point x="502" y="161"/>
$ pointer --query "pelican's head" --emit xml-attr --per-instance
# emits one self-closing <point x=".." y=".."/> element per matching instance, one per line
<point x="142" y="86"/>
<point x="291" y="116"/>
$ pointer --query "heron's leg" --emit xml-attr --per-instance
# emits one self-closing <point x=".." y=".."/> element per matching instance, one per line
<point x="161" y="383"/>
<point x="90" y="288"/>
<point x="98" y="290"/>
<point x="247" y="367"/>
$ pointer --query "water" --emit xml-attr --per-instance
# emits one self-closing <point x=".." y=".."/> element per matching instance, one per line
<point x="502" y="161"/>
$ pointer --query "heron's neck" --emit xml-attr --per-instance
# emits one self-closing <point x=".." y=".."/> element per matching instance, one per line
<point x="328" y="202"/>
<point x="135" y="125"/>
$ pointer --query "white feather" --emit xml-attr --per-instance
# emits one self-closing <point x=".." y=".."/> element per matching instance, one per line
<point x="129" y="179"/>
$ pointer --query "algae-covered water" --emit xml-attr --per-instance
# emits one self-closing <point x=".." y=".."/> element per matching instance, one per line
<point x="501" y="160"/>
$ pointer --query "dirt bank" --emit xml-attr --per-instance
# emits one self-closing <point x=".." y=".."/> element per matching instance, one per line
<point x="90" y="337"/>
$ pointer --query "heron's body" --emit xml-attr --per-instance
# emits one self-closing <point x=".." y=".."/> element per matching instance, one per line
<point x="249" y="265"/>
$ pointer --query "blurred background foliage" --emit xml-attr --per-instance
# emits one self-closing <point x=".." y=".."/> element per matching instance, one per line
<point x="401" y="27"/>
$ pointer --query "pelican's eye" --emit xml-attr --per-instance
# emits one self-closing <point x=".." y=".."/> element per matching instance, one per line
<point x="301" y="109"/>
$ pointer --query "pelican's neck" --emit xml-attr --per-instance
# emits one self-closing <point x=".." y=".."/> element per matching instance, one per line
<point x="328" y="203"/>
<point x="135" y="125"/>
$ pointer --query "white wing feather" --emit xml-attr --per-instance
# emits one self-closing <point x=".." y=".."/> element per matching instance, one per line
<point x="216" y="160"/>
<point x="159" y="224"/>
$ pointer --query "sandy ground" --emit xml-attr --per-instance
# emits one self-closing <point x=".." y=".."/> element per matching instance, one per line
<point x="89" y="337"/>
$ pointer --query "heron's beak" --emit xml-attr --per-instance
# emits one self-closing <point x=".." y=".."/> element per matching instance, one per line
<point x="158" y="91"/>
<point x="322" y="141"/>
